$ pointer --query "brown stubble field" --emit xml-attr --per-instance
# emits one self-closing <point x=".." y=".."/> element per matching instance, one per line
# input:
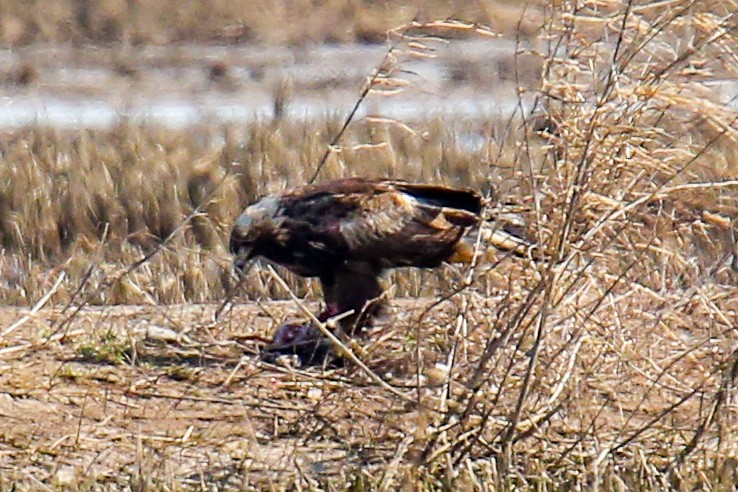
<point x="143" y="396"/>
<point x="609" y="363"/>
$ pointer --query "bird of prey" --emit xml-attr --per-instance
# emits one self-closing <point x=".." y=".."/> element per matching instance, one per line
<point x="347" y="232"/>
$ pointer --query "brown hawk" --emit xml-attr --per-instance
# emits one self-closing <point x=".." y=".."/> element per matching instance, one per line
<point x="349" y="231"/>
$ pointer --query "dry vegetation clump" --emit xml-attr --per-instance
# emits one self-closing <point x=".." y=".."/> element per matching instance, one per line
<point x="598" y="372"/>
<point x="229" y="21"/>
<point x="90" y="203"/>
<point x="610" y="363"/>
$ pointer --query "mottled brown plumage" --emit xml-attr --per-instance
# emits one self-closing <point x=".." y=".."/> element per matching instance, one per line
<point x="347" y="232"/>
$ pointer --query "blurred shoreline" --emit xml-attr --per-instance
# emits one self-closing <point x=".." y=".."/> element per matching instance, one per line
<point x="176" y="86"/>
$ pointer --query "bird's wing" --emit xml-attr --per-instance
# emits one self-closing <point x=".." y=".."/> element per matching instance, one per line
<point x="389" y="222"/>
<point x="395" y="223"/>
<point x="414" y="225"/>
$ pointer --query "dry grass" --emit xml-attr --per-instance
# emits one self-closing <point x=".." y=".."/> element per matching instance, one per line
<point x="226" y="21"/>
<point x="139" y="394"/>
<point x="610" y="364"/>
<point x="72" y="201"/>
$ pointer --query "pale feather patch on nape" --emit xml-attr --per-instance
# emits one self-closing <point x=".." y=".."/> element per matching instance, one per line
<point x="267" y="207"/>
<point x="265" y="212"/>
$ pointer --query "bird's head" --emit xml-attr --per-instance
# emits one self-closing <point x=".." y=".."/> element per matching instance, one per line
<point x="255" y="226"/>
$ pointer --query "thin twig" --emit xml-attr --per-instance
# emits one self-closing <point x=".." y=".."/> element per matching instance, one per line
<point x="364" y="93"/>
<point x="37" y="307"/>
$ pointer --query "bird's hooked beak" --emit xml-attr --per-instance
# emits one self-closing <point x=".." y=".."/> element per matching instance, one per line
<point x="243" y="256"/>
<point x="240" y="245"/>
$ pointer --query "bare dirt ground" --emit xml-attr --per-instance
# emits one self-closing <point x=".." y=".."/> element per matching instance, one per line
<point x="162" y="395"/>
<point x="135" y="396"/>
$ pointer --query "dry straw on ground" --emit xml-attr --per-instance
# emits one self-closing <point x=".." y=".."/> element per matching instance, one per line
<point x="609" y="364"/>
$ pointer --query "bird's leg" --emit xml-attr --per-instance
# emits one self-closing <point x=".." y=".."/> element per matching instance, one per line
<point x="357" y="288"/>
<point x="328" y="283"/>
<point x="331" y="309"/>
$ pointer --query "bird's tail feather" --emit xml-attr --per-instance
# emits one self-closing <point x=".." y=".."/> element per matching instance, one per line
<point x="500" y="235"/>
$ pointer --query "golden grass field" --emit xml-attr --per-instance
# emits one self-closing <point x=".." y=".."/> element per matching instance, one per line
<point x="608" y="363"/>
<point x="238" y="21"/>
